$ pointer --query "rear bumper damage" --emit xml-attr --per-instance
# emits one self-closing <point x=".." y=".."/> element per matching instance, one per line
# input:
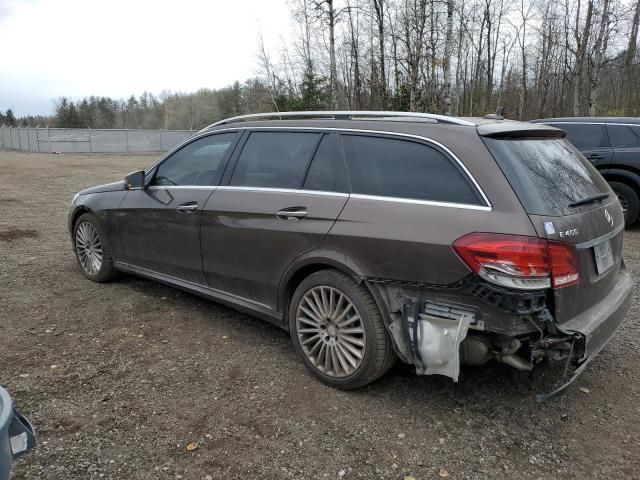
<point x="598" y="324"/>
<point x="438" y="329"/>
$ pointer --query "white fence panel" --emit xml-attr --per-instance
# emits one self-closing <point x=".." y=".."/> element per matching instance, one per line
<point x="81" y="140"/>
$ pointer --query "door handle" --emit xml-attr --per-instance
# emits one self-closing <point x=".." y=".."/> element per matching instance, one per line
<point x="292" y="213"/>
<point x="594" y="156"/>
<point x="187" y="207"/>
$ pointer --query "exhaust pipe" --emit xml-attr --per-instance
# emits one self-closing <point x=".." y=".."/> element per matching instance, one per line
<point x="516" y="362"/>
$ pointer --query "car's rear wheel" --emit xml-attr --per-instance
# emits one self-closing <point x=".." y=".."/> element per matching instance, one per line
<point x="92" y="253"/>
<point x="628" y="200"/>
<point x="337" y="328"/>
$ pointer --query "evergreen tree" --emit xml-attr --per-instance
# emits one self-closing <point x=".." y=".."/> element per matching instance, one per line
<point x="9" y="118"/>
<point x="314" y="93"/>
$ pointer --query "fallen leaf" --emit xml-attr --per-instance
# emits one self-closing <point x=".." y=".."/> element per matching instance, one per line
<point x="192" y="446"/>
<point x="584" y="390"/>
<point x="443" y="473"/>
<point x="409" y="477"/>
<point x="225" y="336"/>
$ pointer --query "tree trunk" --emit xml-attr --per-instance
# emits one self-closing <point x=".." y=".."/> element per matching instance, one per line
<point x="446" y="62"/>
<point x="378" y="6"/>
<point x="599" y="49"/>
<point x="333" y="74"/>
<point x="355" y="54"/>
<point x="582" y="66"/>
<point x="629" y="56"/>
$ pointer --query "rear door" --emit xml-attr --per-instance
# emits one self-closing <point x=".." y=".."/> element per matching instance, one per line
<point x="625" y="142"/>
<point x="591" y="139"/>
<point x="550" y="178"/>
<point x="160" y="225"/>
<point x="267" y="214"/>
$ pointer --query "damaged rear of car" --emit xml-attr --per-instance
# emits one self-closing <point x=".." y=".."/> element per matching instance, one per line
<point x="555" y="289"/>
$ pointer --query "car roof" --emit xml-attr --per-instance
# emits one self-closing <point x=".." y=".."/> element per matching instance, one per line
<point x="629" y="120"/>
<point x="394" y="122"/>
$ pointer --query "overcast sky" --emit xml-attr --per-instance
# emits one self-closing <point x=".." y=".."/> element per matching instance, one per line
<point x="76" y="48"/>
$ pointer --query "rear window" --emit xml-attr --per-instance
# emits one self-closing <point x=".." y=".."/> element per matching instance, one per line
<point x="389" y="167"/>
<point x="327" y="171"/>
<point x="624" y="136"/>
<point x="585" y="135"/>
<point x="547" y="174"/>
<point x="274" y="159"/>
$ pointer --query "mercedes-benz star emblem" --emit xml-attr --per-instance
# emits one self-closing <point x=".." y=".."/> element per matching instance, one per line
<point x="608" y="216"/>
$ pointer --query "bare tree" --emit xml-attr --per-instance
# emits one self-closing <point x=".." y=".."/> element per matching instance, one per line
<point x="629" y="56"/>
<point x="581" y="71"/>
<point x="599" y="50"/>
<point x="446" y="60"/>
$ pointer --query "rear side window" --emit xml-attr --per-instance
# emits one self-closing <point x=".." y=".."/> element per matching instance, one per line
<point x="547" y="174"/>
<point x="624" y="136"/>
<point x="585" y="135"/>
<point x="274" y="159"/>
<point x="327" y="171"/>
<point x="391" y="167"/>
<point x="198" y="163"/>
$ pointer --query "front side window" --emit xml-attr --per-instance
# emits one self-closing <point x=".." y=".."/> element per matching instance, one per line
<point x="585" y="135"/>
<point x="199" y="163"/>
<point x="274" y="159"/>
<point x="399" y="168"/>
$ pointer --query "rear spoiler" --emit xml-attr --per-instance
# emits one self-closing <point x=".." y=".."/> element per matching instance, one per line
<point x="512" y="130"/>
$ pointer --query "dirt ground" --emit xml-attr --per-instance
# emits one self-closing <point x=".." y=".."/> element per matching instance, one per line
<point x="119" y="378"/>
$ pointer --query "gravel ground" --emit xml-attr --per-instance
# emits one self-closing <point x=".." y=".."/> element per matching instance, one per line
<point x="120" y="378"/>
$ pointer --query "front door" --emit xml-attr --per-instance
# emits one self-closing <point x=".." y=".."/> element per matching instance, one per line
<point x="160" y="225"/>
<point x="268" y="214"/>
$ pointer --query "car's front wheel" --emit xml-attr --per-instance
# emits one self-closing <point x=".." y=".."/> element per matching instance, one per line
<point x="337" y="328"/>
<point x="92" y="253"/>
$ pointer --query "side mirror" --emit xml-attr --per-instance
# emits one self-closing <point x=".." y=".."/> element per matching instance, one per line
<point x="134" y="181"/>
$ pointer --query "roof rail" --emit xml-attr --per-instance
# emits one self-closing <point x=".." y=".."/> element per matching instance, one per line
<point x="344" y="115"/>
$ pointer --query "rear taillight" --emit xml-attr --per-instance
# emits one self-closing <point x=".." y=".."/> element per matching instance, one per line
<point x="565" y="268"/>
<point x="514" y="261"/>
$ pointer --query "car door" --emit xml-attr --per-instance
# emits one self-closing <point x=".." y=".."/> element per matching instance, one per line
<point x="625" y="142"/>
<point x="591" y="139"/>
<point x="263" y="218"/>
<point x="160" y="225"/>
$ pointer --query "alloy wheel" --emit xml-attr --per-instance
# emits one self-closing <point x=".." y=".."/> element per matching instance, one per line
<point x="623" y="202"/>
<point x="88" y="248"/>
<point x="331" y="331"/>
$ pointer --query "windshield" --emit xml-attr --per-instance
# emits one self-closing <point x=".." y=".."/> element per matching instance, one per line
<point x="548" y="174"/>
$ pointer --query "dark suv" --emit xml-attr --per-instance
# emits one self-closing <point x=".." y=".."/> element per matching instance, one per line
<point x="613" y="146"/>
<point x="374" y="235"/>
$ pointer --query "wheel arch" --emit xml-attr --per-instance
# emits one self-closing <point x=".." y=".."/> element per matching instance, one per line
<point x="300" y="270"/>
<point x="623" y="175"/>
<point x="73" y="218"/>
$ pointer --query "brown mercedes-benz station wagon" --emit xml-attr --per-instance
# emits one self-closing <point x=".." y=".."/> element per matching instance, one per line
<point x="375" y="235"/>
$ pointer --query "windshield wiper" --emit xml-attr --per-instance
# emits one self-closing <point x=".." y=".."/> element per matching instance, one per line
<point x="591" y="199"/>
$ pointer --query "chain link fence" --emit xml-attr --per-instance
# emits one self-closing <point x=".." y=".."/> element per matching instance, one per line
<point x="87" y="140"/>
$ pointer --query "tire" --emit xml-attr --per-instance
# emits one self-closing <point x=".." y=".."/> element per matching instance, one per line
<point x="85" y="248"/>
<point x="339" y="331"/>
<point x="629" y="198"/>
